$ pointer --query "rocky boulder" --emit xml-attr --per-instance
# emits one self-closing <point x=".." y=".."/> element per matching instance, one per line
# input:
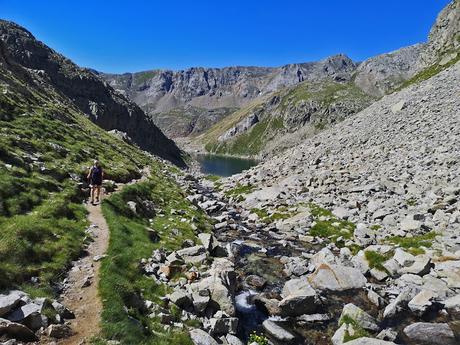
<point x="423" y="333"/>
<point x="200" y="337"/>
<point x="336" y="278"/>
<point x="363" y="319"/>
<point x="16" y="331"/>
<point x="278" y="332"/>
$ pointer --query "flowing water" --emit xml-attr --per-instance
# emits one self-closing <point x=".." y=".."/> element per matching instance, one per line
<point x="223" y="165"/>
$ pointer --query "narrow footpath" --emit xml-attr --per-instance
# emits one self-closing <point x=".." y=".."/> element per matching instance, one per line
<point x="81" y="295"/>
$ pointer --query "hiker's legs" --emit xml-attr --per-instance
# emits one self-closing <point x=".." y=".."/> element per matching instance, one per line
<point x="98" y="192"/>
<point x="92" y="193"/>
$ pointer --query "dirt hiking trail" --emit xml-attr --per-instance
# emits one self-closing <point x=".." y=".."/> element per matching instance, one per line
<point x="81" y="295"/>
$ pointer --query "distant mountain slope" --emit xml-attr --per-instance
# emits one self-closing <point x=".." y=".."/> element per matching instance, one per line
<point x="205" y="91"/>
<point x="383" y="73"/>
<point x="105" y="107"/>
<point x="248" y="132"/>
<point x="309" y="111"/>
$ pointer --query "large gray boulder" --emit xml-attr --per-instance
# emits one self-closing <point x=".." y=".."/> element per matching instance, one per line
<point x="30" y="315"/>
<point x="181" y="298"/>
<point x="363" y="319"/>
<point x="233" y="340"/>
<point x="192" y="255"/>
<point x="221" y="284"/>
<point x="298" y="298"/>
<point x="424" y="333"/>
<point x="336" y="278"/>
<point x="223" y="325"/>
<point x="369" y="341"/>
<point x="200" y="337"/>
<point x="420" y="266"/>
<point x="208" y="241"/>
<point x="9" y="302"/>
<point x="16" y="330"/>
<point x="277" y="331"/>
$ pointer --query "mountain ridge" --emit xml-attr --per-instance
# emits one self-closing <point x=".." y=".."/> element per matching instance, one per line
<point x="103" y="105"/>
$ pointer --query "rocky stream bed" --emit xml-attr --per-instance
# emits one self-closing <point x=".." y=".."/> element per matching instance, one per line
<point x="261" y="278"/>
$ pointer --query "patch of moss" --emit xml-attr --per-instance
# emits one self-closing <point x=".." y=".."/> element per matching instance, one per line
<point x="261" y="213"/>
<point x="213" y="178"/>
<point x="414" y="244"/>
<point x="239" y="191"/>
<point x="411" y="202"/>
<point x="280" y="213"/>
<point x="376" y="259"/>
<point x="359" y="332"/>
<point x="330" y="227"/>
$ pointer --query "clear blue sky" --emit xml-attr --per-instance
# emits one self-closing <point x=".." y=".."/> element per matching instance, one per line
<point x="134" y="35"/>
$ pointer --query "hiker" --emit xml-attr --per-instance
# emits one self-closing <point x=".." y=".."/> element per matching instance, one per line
<point x="95" y="177"/>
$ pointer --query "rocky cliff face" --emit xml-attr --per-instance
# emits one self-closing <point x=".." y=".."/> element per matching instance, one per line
<point x="104" y="106"/>
<point x="444" y="39"/>
<point x="203" y="90"/>
<point x="383" y="73"/>
<point x="258" y="128"/>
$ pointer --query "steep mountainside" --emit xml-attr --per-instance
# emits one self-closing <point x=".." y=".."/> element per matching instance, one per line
<point x="379" y="194"/>
<point x="383" y="73"/>
<point x="444" y="39"/>
<point x="372" y="79"/>
<point x="46" y="146"/>
<point x="254" y="128"/>
<point x="96" y="99"/>
<point x="201" y="92"/>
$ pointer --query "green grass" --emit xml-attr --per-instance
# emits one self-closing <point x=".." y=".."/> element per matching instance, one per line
<point x="359" y="332"/>
<point x="414" y="244"/>
<point x="239" y="191"/>
<point x="411" y="202"/>
<point x="213" y="178"/>
<point x="249" y="143"/>
<point x="428" y="72"/>
<point x="329" y="227"/>
<point x="121" y="276"/>
<point x="44" y="140"/>
<point x="280" y="214"/>
<point x="376" y="259"/>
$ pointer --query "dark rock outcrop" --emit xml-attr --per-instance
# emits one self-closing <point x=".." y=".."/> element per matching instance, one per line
<point x="104" y="106"/>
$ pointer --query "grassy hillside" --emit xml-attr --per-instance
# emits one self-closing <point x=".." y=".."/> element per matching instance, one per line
<point x="121" y="277"/>
<point x="307" y="104"/>
<point x="46" y="145"/>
